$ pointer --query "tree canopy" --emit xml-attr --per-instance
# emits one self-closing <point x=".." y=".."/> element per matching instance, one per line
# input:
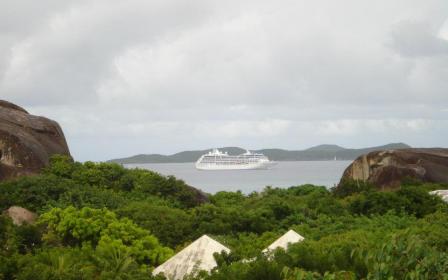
<point x="103" y="221"/>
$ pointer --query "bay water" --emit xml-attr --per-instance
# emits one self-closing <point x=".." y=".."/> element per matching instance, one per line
<point x="284" y="174"/>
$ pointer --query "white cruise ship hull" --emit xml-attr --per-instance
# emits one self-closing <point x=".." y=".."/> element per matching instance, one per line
<point x="216" y="160"/>
<point x="240" y="166"/>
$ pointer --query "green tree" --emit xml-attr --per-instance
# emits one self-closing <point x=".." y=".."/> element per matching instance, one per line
<point x="72" y="227"/>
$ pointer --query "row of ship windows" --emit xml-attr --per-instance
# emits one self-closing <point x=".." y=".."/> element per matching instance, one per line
<point x="231" y="161"/>
<point x="233" y="158"/>
<point x="224" y="163"/>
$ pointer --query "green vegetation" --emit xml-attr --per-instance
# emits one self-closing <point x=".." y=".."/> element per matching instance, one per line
<point x="101" y="221"/>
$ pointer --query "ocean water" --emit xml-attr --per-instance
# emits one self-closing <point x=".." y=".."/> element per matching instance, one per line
<point x="284" y="174"/>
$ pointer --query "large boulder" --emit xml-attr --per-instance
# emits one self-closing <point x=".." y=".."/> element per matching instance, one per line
<point x="26" y="141"/>
<point x="20" y="215"/>
<point x="387" y="169"/>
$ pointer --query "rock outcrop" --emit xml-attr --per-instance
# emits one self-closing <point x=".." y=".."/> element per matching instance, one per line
<point x="387" y="169"/>
<point x="26" y="141"/>
<point x="21" y="215"/>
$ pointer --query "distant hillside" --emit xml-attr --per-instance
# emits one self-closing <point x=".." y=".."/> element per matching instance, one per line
<point x="321" y="152"/>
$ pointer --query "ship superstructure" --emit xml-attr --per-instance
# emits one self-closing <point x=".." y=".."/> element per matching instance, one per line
<point x="217" y="160"/>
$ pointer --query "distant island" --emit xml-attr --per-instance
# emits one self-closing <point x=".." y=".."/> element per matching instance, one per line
<point x="321" y="152"/>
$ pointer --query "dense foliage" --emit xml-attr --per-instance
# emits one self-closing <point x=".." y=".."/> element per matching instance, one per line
<point x="102" y="221"/>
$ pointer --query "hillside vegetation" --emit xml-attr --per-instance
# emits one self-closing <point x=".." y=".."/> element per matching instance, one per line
<point x="102" y="221"/>
<point x="321" y="152"/>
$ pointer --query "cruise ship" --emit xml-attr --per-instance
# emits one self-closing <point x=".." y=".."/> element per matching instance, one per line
<point x="217" y="160"/>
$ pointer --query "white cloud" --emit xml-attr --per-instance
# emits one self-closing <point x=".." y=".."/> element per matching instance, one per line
<point x="147" y="76"/>
<point x="350" y="127"/>
<point x="443" y="31"/>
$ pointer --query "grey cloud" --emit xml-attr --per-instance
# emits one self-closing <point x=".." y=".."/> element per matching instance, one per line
<point x="252" y="72"/>
<point x="414" y="39"/>
<point x="68" y="55"/>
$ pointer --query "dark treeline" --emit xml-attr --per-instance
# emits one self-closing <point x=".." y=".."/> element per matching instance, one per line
<point x="102" y="221"/>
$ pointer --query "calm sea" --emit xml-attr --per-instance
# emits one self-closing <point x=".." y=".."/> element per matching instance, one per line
<point x="285" y="174"/>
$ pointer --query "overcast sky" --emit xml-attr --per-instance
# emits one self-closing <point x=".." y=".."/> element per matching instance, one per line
<point x="130" y="77"/>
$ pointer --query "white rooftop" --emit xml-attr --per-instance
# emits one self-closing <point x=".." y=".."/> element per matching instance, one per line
<point x="442" y="193"/>
<point x="284" y="241"/>
<point x="196" y="256"/>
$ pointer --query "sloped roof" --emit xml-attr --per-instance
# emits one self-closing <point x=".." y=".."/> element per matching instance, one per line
<point x="290" y="237"/>
<point x="198" y="255"/>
